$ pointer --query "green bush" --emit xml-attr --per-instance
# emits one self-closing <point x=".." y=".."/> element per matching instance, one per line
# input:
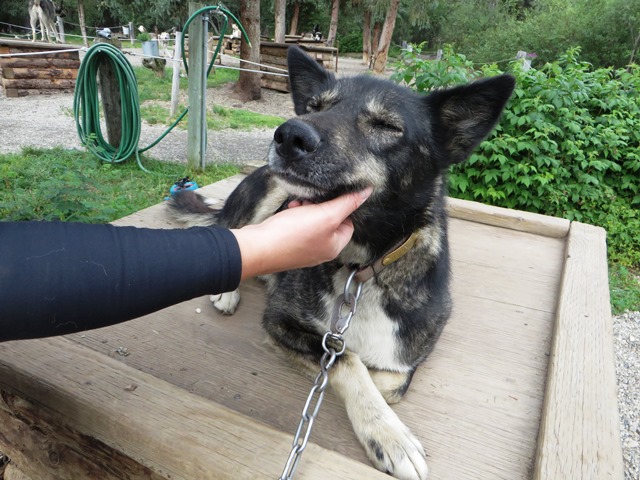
<point x="351" y="42"/>
<point x="567" y="145"/>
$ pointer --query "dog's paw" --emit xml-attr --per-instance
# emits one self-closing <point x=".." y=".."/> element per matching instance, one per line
<point x="226" y="303"/>
<point x="392" y="448"/>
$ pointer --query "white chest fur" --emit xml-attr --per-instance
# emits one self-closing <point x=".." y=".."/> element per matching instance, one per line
<point x="371" y="334"/>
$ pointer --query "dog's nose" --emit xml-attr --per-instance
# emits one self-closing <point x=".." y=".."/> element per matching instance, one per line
<point x="295" y="140"/>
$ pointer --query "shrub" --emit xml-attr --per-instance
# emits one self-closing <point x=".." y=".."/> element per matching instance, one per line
<point x="567" y="145"/>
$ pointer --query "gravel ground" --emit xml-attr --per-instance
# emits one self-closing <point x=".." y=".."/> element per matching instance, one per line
<point x="47" y="121"/>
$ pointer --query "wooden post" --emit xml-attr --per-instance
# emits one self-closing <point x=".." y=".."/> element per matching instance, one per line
<point x="175" y="84"/>
<point x="110" y="95"/>
<point x="60" y="29"/>
<point x="197" y="107"/>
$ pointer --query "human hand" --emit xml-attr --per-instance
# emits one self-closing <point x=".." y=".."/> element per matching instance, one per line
<point x="302" y="236"/>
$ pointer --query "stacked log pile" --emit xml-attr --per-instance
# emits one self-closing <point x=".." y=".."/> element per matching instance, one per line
<point x="39" y="73"/>
<point x="275" y="55"/>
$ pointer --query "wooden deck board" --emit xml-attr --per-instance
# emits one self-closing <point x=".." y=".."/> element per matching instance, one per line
<point x="476" y="403"/>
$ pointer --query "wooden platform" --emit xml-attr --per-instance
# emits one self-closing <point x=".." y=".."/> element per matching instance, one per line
<point x="39" y="72"/>
<point x="521" y="384"/>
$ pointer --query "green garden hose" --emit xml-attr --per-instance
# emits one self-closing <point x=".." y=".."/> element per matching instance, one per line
<point x="86" y="106"/>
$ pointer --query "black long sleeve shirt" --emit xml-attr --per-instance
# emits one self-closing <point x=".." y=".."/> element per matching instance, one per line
<point x="59" y="278"/>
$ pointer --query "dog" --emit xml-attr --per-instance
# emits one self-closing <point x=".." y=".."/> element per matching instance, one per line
<point x="43" y="12"/>
<point x="349" y="134"/>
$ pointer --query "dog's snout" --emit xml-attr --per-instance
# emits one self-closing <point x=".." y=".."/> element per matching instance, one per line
<point x="295" y="140"/>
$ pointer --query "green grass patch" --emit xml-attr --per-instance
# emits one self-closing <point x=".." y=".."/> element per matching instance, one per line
<point x="151" y="87"/>
<point x="624" y="285"/>
<point x="218" y="118"/>
<point x="71" y="185"/>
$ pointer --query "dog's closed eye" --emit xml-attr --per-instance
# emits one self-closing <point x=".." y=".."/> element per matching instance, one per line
<point x="387" y="124"/>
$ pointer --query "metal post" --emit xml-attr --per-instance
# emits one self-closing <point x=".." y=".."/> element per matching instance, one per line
<point x="175" y="80"/>
<point x="195" y="128"/>
<point x="205" y="58"/>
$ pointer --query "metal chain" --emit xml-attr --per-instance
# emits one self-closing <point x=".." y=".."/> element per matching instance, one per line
<point x="334" y="346"/>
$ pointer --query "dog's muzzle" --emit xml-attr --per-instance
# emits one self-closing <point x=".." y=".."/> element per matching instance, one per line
<point x="295" y="140"/>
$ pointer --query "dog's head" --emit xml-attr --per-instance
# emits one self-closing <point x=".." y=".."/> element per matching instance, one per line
<point x="365" y="131"/>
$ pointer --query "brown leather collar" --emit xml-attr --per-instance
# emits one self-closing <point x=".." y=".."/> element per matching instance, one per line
<point x="395" y="254"/>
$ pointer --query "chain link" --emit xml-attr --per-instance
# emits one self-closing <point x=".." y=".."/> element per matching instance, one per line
<point x="334" y="346"/>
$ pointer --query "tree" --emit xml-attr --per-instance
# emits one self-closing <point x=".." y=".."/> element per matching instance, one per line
<point x="382" y="52"/>
<point x="248" y="86"/>
<point x="366" y="36"/>
<point x="280" y="7"/>
<point x="295" y="17"/>
<point x="333" y="26"/>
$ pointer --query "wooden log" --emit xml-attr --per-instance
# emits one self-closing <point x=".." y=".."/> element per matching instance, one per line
<point x="21" y="92"/>
<point x="39" y="83"/>
<point x="175" y="434"/>
<point x="40" y="447"/>
<point x="277" y="60"/>
<point x="279" y="51"/>
<point x="46" y="73"/>
<point x="14" y="473"/>
<point x="110" y="95"/>
<point x="275" y="85"/>
<point x="39" y="62"/>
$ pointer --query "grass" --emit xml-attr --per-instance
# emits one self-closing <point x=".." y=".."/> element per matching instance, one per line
<point x="624" y="285"/>
<point x="71" y="185"/>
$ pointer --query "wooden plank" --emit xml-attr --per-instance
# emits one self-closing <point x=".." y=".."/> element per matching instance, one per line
<point x="43" y="447"/>
<point x="507" y="218"/>
<point x="177" y="435"/>
<point x="579" y="435"/>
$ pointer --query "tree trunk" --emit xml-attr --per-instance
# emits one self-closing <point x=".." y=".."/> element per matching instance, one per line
<point x="375" y="40"/>
<point x="83" y="26"/>
<point x="333" y="26"/>
<point x="294" y="18"/>
<point x="366" y="37"/>
<point x="248" y="86"/>
<point x="382" y="52"/>
<point x="280" y="7"/>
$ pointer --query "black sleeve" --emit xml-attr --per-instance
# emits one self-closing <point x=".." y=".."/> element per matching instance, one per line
<point x="58" y="278"/>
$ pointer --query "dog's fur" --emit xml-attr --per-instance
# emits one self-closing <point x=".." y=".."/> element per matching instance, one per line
<point x="43" y="12"/>
<point x="351" y="133"/>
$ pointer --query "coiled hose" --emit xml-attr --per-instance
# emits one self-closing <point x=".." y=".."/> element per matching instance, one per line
<point x="86" y="106"/>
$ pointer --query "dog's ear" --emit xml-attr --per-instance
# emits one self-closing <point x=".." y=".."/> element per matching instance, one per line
<point x="306" y="78"/>
<point x="463" y="116"/>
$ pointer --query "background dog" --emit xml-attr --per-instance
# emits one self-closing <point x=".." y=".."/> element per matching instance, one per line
<point x="43" y="12"/>
<point x="351" y="133"/>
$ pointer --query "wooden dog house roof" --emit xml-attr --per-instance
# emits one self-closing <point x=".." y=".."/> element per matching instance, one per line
<point x="520" y="385"/>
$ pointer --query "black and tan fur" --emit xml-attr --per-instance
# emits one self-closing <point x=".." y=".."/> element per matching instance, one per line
<point x="349" y="134"/>
<point x="44" y="13"/>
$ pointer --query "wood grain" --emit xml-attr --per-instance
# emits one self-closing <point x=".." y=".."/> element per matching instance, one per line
<point x="580" y="432"/>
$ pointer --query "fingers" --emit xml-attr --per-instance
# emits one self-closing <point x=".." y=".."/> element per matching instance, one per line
<point x="345" y="205"/>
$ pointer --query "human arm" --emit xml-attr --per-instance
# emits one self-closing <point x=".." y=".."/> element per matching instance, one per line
<point x="58" y="278"/>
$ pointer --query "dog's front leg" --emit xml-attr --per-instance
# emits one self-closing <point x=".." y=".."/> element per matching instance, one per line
<point x="389" y="444"/>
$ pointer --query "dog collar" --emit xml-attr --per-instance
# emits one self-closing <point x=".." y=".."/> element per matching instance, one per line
<point x="395" y="254"/>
